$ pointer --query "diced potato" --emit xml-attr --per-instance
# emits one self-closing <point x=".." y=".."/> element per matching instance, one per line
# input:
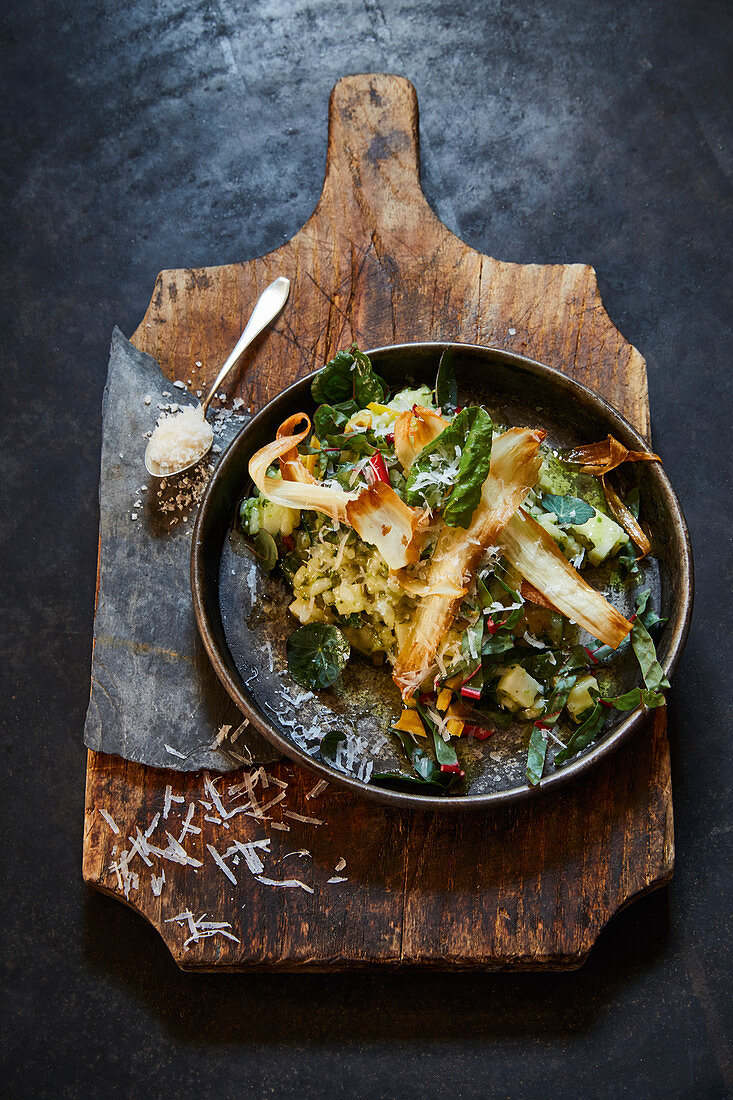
<point x="273" y="518"/>
<point x="517" y="690"/>
<point x="564" y="538"/>
<point x="307" y="611"/>
<point x="602" y="535"/>
<point x="580" y="698"/>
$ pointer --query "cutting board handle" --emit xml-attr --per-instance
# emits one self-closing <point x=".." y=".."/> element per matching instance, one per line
<point x="373" y="156"/>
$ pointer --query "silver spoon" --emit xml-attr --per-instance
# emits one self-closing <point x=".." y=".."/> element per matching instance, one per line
<point x="268" y="305"/>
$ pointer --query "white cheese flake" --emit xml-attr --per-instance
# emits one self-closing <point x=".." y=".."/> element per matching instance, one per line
<point x="110" y="820"/>
<point x="302" y="817"/>
<point x="220" y="862"/>
<point x="291" y="882"/>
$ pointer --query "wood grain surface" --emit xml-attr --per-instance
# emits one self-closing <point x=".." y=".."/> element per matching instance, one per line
<point x="523" y="887"/>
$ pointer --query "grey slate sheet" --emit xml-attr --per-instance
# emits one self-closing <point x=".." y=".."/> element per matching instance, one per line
<point x="155" y="698"/>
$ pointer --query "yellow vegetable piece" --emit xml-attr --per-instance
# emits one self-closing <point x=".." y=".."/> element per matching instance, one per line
<point x="309" y="461"/>
<point x="410" y="723"/>
<point x="382" y="410"/>
<point x="455" y="681"/>
<point x="411" y="703"/>
<point x="455" y="727"/>
<point x="444" y="699"/>
<point x="362" y="419"/>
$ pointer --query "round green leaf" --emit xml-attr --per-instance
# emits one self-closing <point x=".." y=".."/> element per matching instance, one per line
<point x="317" y="655"/>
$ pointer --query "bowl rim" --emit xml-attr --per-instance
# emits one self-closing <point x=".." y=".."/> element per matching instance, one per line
<point x="399" y="799"/>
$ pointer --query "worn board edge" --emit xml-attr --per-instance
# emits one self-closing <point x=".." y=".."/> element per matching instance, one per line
<point x="583" y="274"/>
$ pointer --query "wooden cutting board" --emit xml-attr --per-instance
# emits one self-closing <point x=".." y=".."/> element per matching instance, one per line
<point x="524" y="887"/>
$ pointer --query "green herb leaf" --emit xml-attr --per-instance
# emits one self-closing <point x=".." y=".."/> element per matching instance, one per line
<point x="568" y="673"/>
<point x="419" y="759"/>
<point x="536" y="754"/>
<point x="627" y="558"/>
<point x="355" y="443"/>
<point x="348" y="376"/>
<point x="568" y="509"/>
<point x="446" y="387"/>
<point x="632" y="699"/>
<point x="510" y="620"/>
<point x="331" y="419"/>
<point x="444" y="751"/>
<point x="472" y="638"/>
<point x="649" y="618"/>
<point x="496" y="644"/>
<point x="265" y="548"/>
<point x="328" y="747"/>
<point x="646" y="655"/>
<point x="583" y="735"/>
<point x="368" y="386"/>
<point x="430" y="482"/>
<point x="317" y="655"/>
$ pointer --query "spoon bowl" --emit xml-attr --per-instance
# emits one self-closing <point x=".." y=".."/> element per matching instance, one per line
<point x="266" y="309"/>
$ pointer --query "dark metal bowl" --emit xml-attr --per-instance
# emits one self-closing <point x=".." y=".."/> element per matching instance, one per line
<point x="243" y="619"/>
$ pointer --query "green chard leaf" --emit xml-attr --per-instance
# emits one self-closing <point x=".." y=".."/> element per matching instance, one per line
<point x="583" y="735"/>
<point x="446" y="387"/>
<point x="356" y="443"/>
<point x="515" y="613"/>
<point x="649" y="618"/>
<point x="317" y="655"/>
<point x="568" y="509"/>
<point x="628" y="560"/>
<point x="421" y="762"/>
<point x="331" y="419"/>
<point x="496" y="644"/>
<point x="435" y="477"/>
<point x="348" y="376"/>
<point x="536" y="754"/>
<point x="444" y="751"/>
<point x="631" y="699"/>
<point x="571" y="668"/>
<point x="646" y="655"/>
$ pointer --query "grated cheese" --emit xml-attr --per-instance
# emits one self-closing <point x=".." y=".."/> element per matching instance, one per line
<point x="110" y="821"/>
<point x="179" y="440"/>
<point x="220" y="863"/>
<point x="286" y="882"/>
<point x="302" y="817"/>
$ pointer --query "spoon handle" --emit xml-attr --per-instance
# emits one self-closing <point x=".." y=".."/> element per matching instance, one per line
<point x="268" y="305"/>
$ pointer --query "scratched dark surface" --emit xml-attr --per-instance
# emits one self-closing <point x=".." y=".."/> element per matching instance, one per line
<point x="155" y="698"/>
<point x="172" y="134"/>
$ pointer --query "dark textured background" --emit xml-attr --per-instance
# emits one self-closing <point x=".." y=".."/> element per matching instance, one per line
<point x="173" y="133"/>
